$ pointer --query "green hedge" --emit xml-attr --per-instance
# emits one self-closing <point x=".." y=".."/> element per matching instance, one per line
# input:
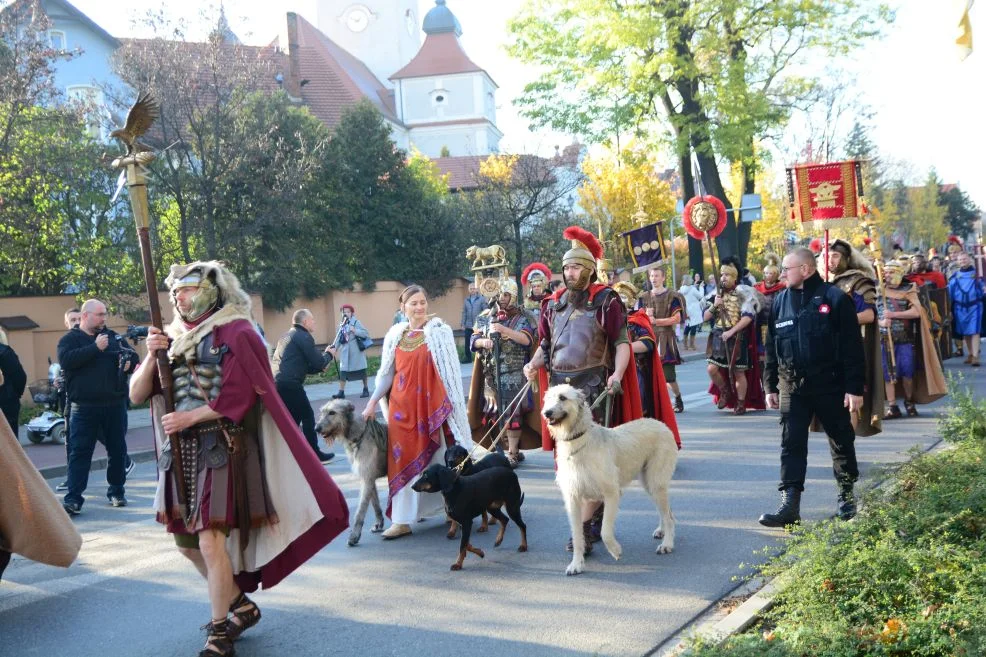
<point x="906" y="578"/>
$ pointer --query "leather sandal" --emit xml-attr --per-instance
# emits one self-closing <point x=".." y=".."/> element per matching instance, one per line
<point x="740" y="408"/>
<point x="246" y="613"/>
<point x="911" y="409"/>
<point x="679" y="405"/>
<point x="218" y="643"/>
<point x="893" y="413"/>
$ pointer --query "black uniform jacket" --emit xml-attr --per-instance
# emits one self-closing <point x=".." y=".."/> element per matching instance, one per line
<point x="813" y="341"/>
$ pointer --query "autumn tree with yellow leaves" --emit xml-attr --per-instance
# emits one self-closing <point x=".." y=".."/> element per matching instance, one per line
<point x="618" y="186"/>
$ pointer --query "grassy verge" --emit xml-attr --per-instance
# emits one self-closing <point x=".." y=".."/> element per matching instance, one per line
<point x="906" y="578"/>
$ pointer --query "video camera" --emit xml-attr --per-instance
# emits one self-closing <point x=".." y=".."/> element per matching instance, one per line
<point x="136" y="333"/>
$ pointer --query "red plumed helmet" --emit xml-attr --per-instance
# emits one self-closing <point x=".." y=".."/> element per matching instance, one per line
<point x="867" y="241"/>
<point x="815" y="245"/>
<point x="955" y="239"/>
<point x="535" y="267"/>
<point x="588" y="239"/>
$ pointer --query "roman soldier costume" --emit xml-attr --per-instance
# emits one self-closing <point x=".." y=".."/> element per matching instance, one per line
<point x="736" y="356"/>
<point x="654" y="398"/>
<point x="582" y="325"/>
<point x="768" y="287"/>
<point x="535" y="277"/>
<point x="666" y="304"/>
<point x="854" y="275"/>
<point x="250" y="473"/>
<point x="917" y="372"/>
<point x="498" y="373"/>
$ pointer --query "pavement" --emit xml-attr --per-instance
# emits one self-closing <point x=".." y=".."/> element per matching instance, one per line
<point x="131" y="593"/>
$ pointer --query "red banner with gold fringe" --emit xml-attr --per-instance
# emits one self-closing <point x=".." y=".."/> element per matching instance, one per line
<point x="824" y="196"/>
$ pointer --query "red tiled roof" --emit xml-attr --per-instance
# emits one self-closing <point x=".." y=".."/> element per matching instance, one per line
<point x="462" y="170"/>
<point x="336" y="79"/>
<point x="440" y="54"/>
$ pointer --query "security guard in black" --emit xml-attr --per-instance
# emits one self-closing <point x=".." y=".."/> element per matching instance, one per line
<point x="815" y="361"/>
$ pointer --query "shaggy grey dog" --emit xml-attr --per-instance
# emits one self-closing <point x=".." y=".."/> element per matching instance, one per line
<point x="366" y="447"/>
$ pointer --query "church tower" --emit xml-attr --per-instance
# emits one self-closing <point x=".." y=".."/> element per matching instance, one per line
<point x="383" y="34"/>
<point x="445" y="99"/>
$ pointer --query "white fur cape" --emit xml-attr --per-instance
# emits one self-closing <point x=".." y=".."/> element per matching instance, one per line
<point x="441" y="345"/>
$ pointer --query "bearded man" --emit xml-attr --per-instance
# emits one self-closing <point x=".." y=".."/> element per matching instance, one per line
<point x="584" y="343"/>
<point x="852" y="273"/>
<point x="731" y="353"/>
<point x="536" y="277"/>
<point x="498" y="373"/>
<point x="914" y="371"/>
<point x="258" y="503"/>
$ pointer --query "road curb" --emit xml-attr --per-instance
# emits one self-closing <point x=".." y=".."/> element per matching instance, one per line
<point x="713" y="627"/>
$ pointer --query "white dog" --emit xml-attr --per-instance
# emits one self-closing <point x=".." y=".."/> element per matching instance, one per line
<point x="596" y="463"/>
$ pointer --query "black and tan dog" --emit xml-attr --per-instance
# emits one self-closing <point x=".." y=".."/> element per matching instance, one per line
<point x="457" y="454"/>
<point x="468" y="496"/>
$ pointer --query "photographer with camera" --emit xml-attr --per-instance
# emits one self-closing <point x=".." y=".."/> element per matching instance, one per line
<point x="350" y="343"/>
<point x="97" y="363"/>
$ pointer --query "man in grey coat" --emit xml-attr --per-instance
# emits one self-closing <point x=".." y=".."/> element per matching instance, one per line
<point x="349" y="343"/>
<point x="295" y="357"/>
<point x="473" y="305"/>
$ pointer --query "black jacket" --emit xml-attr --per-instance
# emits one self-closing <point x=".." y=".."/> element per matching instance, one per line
<point x="297" y="356"/>
<point x="94" y="377"/>
<point x="14" y="378"/>
<point x="813" y="341"/>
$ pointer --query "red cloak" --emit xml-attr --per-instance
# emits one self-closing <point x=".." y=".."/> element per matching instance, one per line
<point x="630" y="408"/>
<point x="251" y="360"/>
<point x="663" y="410"/>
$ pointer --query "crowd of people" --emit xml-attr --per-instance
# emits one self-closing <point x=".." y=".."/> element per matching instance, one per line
<point x="830" y="337"/>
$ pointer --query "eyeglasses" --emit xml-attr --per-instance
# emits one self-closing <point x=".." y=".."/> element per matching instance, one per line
<point x="793" y="267"/>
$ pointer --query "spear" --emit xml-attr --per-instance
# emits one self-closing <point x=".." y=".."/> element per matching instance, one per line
<point x="139" y="119"/>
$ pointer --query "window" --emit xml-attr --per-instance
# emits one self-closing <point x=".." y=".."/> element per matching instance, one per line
<point x="57" y="40"/>
<point x="89" y="100"/>
<point x="439" y="97"/>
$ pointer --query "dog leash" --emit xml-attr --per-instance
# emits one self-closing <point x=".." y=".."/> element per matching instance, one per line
<point x="507" y="412"/>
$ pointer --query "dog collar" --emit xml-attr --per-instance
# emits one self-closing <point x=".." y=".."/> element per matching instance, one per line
<point x="575" y="437"/>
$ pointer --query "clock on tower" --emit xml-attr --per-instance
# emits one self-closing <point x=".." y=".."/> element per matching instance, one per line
<point x="362" y="27"/>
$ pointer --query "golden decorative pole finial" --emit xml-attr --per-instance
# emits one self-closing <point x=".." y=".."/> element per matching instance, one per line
<point x="140" y="118"/>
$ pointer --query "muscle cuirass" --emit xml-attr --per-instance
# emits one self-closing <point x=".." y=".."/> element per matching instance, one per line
<point x="203" y="371"/>
<point x="730" y="311"/>
<point x="578" y="341"/>
<point x="854" y="281"/>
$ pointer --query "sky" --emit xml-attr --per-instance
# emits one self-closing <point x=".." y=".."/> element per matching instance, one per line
<point x="928" y="107"/>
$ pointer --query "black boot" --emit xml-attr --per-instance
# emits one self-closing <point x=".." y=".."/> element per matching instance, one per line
<point x="788" y="513"/>
<point x="847" y="500"/>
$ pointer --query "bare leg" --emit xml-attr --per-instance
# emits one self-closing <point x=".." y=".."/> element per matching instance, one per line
<point x="908" y="388"/>
<point x="675" y="388"/>
<point x="195" y="556"/>
<point x="222" y="590"/>
<point x="740" y="386"/>
<point x="891" y="391"/>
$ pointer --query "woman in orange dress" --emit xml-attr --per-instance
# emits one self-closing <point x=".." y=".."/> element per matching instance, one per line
<point x="419" y="385"/>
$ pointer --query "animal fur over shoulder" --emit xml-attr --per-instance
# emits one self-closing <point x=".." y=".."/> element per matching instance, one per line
<point x="751" y="301"/>
<point x="441" y="345"/>
<point x="236" y="305"/>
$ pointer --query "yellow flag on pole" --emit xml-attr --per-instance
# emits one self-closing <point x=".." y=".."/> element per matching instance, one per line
<point x="964" y="40"/>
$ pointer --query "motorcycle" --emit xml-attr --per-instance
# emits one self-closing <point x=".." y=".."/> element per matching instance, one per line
<point x="51" y="423"/>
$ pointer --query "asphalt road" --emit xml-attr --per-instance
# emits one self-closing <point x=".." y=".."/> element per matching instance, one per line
<point x="130" y="593"/>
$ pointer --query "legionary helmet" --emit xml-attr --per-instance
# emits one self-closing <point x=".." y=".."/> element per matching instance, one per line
<point x="206" y="299"/>
<point x="585" y="251"/>
<point x="893" y="271"/>
<point x="772" y="267"/>
<point x="628" y="293"/>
